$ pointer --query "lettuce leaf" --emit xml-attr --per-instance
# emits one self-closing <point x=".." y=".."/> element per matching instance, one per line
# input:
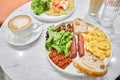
<point x="61" y="41"/>
<point x="39" y="6"/>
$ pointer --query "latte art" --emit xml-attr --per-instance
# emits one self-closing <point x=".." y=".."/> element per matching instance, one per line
<point x="19" y="22"/>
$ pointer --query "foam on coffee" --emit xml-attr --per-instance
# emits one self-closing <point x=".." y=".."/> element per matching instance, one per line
<point x="19" y="22"/>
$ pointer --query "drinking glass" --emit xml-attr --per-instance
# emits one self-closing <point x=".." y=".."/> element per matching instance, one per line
<point x="110" y="12"/>
<point x="94" y="7"/>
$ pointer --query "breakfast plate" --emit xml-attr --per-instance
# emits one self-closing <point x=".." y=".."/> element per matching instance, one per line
<point x="70" y="69"/>
<point x="17" y="41"/>
<point x="51" y="18"/>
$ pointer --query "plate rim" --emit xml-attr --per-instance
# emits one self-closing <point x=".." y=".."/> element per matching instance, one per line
<point x="65" y="72"/>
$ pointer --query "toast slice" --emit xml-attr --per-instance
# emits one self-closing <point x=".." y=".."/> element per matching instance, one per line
<point x="79" y="25"/>
<point x="90" y="65"/>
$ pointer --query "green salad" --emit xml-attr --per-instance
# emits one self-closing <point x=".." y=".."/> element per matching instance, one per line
<point x="61" y="41"/>
<point x="39" y="6"/>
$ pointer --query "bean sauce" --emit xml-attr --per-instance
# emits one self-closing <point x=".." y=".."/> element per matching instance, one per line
<point x="59" y="59"/>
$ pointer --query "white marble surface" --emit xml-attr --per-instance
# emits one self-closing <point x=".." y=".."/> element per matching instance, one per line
<point x="30" y="62"/>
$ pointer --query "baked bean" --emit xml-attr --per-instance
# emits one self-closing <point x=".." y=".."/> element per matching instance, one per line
<point x="59" y="59"/>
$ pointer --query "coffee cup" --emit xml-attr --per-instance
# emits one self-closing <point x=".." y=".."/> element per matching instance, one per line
<point x="22" y="25"/>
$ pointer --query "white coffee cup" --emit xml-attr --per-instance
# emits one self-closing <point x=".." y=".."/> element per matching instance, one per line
<point x="22" y="25"/>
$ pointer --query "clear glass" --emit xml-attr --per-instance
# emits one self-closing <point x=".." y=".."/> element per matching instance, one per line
<point x="95" y="6"/>
<point x="110" y="12"/>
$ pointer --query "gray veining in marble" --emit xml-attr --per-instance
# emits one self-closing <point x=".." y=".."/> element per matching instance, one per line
<point x="29" y="62"/>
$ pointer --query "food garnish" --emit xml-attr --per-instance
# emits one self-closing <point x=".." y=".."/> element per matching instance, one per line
<point x="39" y="6"/>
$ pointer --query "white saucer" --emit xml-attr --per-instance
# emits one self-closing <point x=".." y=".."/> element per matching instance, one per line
<point x="17" y="41"/>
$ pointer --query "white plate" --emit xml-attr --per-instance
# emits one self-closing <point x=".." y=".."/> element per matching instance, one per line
<point x="17" y="41"/>
<point x="70" y="69"/>
<point x="45" y="17"/>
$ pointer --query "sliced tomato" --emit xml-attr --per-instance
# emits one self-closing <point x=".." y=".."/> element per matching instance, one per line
<point x="56" y="10"/>
<point x="56" y="2"/>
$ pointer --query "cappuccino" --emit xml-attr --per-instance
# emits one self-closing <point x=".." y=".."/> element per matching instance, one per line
<point x="22" y="26"/>
<point x="20" y="22"/>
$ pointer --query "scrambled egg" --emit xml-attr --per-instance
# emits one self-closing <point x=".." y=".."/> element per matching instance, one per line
<point x="97" y="43"/>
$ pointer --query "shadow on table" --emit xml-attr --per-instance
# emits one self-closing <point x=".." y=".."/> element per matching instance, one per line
<point x="3" y="75"/>
<point x="69" y="77"/>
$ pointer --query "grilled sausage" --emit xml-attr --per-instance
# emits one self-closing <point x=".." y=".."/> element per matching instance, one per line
<point x="80" y="45"/>
<point x="73" y="51"/>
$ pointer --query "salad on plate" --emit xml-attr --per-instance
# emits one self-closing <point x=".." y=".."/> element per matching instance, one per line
<point x="52" y="7"/>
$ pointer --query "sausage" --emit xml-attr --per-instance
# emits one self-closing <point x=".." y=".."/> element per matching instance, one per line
<point x="73" y="51"/>
<point x="80" y="45"/>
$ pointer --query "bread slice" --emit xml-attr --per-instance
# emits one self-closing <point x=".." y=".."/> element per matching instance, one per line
<point x="79" y="25"/>
<point x="90" y="65"/>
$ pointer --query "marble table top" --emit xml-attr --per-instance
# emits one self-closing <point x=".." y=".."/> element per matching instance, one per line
<point x="29" y="62"/>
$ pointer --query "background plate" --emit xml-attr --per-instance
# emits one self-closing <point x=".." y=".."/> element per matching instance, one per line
<point x="45" y="17"/>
